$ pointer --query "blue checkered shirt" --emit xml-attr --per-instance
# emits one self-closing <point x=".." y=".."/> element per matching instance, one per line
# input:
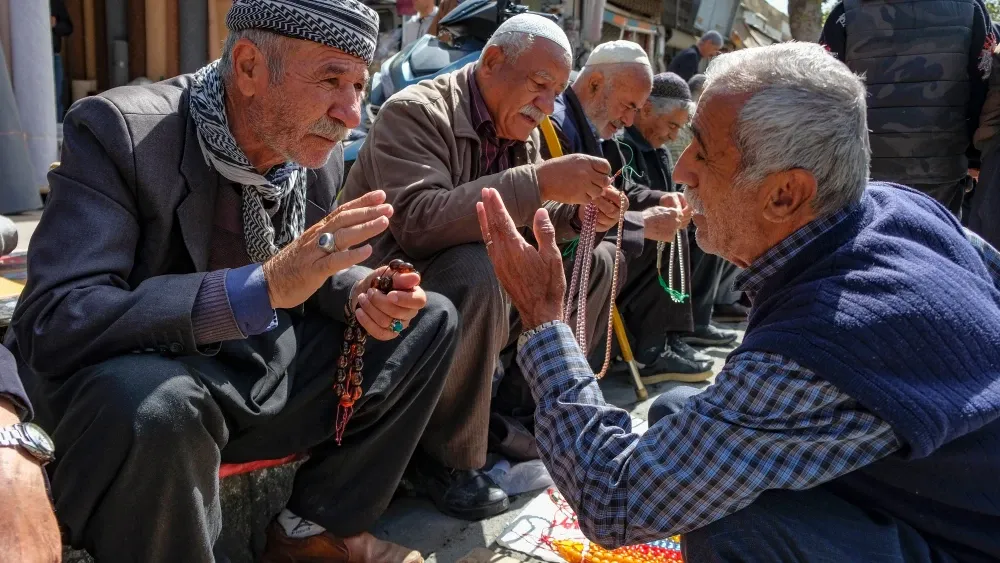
<point x="766" y="423"/>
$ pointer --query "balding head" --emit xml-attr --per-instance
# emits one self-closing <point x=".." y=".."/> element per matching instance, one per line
<point x="614" y="85"/>
<point x="710" y="44"/>
<point x="525" y="65"/>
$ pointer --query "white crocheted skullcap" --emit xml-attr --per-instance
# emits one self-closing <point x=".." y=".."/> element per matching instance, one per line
<point x="538" y="26"/>
<point x="618" y="52"/>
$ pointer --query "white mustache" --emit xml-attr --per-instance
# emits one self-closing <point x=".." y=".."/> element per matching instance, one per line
<point x="330" y="129"/>
<point x="693" y="201"/>
<point x="533" y="112"/>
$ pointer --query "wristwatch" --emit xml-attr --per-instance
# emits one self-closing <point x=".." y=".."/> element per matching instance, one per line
<point x="32" y="438"/>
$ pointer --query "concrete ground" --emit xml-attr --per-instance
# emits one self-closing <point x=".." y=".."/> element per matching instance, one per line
<point x="414" y="522"/>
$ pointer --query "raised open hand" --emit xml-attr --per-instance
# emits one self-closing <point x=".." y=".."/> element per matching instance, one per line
<point x="533" y="278"/>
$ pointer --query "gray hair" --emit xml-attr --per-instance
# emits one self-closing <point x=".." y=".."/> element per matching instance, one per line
<point x="514" y="44"/>
<point x="667" y="105"/>
<point x="713" y="37"/>
<point x="273" y="46"/>
<point x="806" y="110"/>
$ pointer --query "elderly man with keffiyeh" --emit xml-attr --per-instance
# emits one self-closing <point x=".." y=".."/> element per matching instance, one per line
<point x="189" y="288"/>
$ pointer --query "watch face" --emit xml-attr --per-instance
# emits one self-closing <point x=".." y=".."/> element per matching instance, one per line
<point x="38" y="442"/>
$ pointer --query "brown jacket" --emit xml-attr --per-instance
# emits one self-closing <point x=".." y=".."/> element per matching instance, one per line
<point x="424" y="153"/>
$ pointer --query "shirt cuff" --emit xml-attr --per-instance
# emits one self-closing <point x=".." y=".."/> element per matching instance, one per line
<point x="551" y="360"/>
<point x="251" y="305"/>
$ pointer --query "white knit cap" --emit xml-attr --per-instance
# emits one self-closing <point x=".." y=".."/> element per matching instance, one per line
<point x="536" y="25"/>
<point x="618" y="52"/>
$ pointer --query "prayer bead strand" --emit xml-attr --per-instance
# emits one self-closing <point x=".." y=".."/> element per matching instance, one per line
<point x="347" y="383"/>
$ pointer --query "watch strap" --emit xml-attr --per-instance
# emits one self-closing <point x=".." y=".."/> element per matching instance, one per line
<point x="11" y="435"/>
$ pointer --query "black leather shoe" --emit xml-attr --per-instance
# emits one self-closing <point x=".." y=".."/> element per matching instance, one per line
<point x="710" y="336"/>
<point x="685" y="351"/>
<point x="469" y="494"/>
<point x="669" y="366"/>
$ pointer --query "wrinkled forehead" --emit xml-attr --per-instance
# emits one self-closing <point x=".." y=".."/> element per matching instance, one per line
<point x="715" y="118"/>
<point x="546" y="59"/>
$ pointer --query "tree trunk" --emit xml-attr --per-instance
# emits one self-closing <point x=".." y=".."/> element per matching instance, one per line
<point x="805" y="18"/>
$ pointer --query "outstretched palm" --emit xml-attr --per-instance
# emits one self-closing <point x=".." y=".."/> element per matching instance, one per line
<point x="533" y="278"/>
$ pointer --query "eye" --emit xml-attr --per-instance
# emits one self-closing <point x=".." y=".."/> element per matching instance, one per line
<point x="699" y="157"/>
<point x="359" y="86"/>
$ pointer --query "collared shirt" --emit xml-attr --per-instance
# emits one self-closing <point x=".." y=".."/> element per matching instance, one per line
<point x="494" y="152"/>
<point x="766" y="423"/>
<point x="415" y="27"/>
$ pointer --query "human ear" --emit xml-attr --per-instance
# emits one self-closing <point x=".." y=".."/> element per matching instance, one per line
<point x="789" y="195"/>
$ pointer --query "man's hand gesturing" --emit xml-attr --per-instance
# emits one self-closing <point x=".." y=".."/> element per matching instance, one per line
<point x="533" y="278"/>
<point x="299" y="269"/>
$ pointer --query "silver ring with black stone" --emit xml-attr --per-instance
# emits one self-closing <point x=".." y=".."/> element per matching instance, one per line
<point x="328" y="243"/>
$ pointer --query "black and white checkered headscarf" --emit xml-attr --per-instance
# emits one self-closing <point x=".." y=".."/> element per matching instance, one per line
<point x="347" y="25"/>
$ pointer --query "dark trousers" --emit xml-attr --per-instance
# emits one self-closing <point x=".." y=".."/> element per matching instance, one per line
<point x="709" y="274"/>
<point x="949" y="195"/>
<point x="984" y="214"/>
<point x="812" y="525"/>
<point x="648" y="312"/>
<point x="141" y="436"/>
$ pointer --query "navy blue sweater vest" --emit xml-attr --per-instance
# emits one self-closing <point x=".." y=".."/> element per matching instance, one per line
<point x="897" y="309"/>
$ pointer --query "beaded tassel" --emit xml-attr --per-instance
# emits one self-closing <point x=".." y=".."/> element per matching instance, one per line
<point x="347" y="383"/>
<point x="676" y="248"/>
<point x="575" y="551"/>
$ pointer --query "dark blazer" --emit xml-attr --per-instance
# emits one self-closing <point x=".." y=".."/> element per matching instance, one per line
<point x="121" y="249"/>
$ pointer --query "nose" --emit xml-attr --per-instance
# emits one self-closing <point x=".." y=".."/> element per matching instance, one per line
<point x="629" y="117"/>
<point x="683" y="171"/>
<point x="546" y="103"/>
<point x="347" y="108"/>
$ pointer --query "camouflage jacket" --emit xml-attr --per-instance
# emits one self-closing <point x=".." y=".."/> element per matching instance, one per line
<point x="926" y="66"/>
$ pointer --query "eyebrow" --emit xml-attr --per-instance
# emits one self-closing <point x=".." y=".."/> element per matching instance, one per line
<point x="340" y="69"/>
<point x="697" y="135"/>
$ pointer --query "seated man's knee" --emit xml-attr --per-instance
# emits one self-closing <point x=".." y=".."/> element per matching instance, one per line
<point x="671" y="401"/>
<point x="154" y="400"/>
<point x="464" y="274"/>
<point x="441" y="316"/>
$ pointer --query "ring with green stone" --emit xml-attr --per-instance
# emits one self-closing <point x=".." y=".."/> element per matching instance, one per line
<point x="397" y="325"/>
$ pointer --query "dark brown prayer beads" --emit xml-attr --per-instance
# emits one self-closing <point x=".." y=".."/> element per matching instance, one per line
<point x="347" y="384"/>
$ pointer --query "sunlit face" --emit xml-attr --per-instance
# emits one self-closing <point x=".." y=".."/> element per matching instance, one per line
<point x="727" y="216"/>
<point x="521" y="93"/>
<point x="313" y="107"/>
<point x="659" y="128"/>
<point x="620" y="98"/>
<point x="708" y="50"/>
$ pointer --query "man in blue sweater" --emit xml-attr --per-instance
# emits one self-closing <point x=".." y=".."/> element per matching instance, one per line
<point x="860" y="418"/>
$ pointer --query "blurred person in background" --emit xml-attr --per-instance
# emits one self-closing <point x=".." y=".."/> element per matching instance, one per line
<point x="62" y="26"/>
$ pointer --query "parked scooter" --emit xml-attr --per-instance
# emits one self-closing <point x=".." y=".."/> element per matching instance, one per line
<point x="462" y="34"/>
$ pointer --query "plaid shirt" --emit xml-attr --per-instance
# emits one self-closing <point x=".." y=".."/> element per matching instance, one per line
<point x="494" y="153"/>
<point x="766" y="423"/>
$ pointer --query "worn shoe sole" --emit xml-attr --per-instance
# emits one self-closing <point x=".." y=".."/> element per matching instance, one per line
<point x="682" y="377"/>
<point x="481" y="512"/>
